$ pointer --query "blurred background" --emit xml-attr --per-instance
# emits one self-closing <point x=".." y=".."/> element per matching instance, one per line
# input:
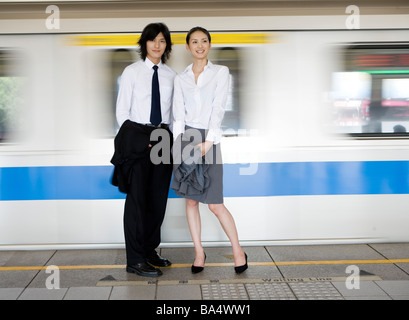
<point x="315" y="131"/>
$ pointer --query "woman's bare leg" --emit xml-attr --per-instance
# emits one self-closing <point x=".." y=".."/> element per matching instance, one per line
<point x="229" y="227"/>
<point x="194" y="222"/>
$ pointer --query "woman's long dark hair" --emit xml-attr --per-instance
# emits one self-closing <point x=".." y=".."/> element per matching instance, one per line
<point x="149" y="33"/>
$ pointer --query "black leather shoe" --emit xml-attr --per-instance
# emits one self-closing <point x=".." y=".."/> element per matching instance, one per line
<point x="242" y="268"/>
<point x="156" y="260"/>
<point x="144" y="269"/>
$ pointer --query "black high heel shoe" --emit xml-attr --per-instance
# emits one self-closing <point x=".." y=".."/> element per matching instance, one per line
<point x="196" y="269"/>
<point x="242" y="268"/>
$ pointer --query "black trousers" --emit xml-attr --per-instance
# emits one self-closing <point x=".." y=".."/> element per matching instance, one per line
<point x="145" y="207"/>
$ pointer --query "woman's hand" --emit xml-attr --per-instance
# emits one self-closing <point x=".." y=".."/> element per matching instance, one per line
<point x="205" y="147"/>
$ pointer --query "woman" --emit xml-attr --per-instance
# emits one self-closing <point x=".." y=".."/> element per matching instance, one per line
<point x="200" y="95"/>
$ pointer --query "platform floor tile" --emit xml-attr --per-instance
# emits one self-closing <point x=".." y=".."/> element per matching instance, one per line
<point x="133" y="293"/>
<point x="224" y="291"/>
<point x="43" y="294"/>
<point x="178" y="292"/>
<point x="395" y="288"/>
<point x="363" y="289"/>
<point x="315" y="291"/>
<point x="10" y="293"/>
<point x="88" y="293"/>
<point x="269" y="291"/>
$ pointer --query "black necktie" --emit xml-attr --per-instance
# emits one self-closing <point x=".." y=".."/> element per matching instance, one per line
<point x="156" y="117"/>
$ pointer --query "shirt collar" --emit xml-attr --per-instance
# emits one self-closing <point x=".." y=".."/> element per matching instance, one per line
<point x="208" y="66"/>
<point x="150" y="64"/>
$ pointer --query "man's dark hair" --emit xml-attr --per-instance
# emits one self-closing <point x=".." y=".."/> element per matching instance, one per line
<point x="149" y="33"/>
<point x="198" y="29"/>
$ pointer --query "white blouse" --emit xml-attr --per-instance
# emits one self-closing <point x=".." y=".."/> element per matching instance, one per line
<point x="201" y="105"/>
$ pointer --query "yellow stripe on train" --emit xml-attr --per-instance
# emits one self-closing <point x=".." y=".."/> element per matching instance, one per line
<point x="112" y="40"/>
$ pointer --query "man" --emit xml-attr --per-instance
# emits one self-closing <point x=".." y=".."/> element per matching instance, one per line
<point x="144" y="105"/>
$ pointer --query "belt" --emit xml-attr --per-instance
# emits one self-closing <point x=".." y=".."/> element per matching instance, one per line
<point x="161" y="125"/>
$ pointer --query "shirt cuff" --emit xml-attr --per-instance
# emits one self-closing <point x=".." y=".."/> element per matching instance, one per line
<point x="178" y="128"/>
<point x="214" y="135"/>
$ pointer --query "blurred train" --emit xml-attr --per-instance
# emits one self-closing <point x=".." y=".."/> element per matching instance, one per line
<point x="315" y="143"/>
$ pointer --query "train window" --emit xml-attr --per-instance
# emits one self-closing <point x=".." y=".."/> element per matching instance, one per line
<point x="11" y="99"/>
<point x="351" y="96"/>
<point x="371" y="99"/>
<point x="230" y="57"/>
<point x="395" y="103"/>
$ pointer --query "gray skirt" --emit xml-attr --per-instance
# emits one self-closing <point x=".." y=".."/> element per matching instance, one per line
<point x="212" y="191"/>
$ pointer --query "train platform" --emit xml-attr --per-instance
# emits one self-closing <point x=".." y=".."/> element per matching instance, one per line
<point x="377" y="271"/>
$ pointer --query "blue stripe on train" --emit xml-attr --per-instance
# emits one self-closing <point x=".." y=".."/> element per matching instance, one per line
<point x="269" y="179"/>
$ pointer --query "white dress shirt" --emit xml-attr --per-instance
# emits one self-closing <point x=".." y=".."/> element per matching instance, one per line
<point x="135" y="92"/>
<point x="201" y="105"/>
